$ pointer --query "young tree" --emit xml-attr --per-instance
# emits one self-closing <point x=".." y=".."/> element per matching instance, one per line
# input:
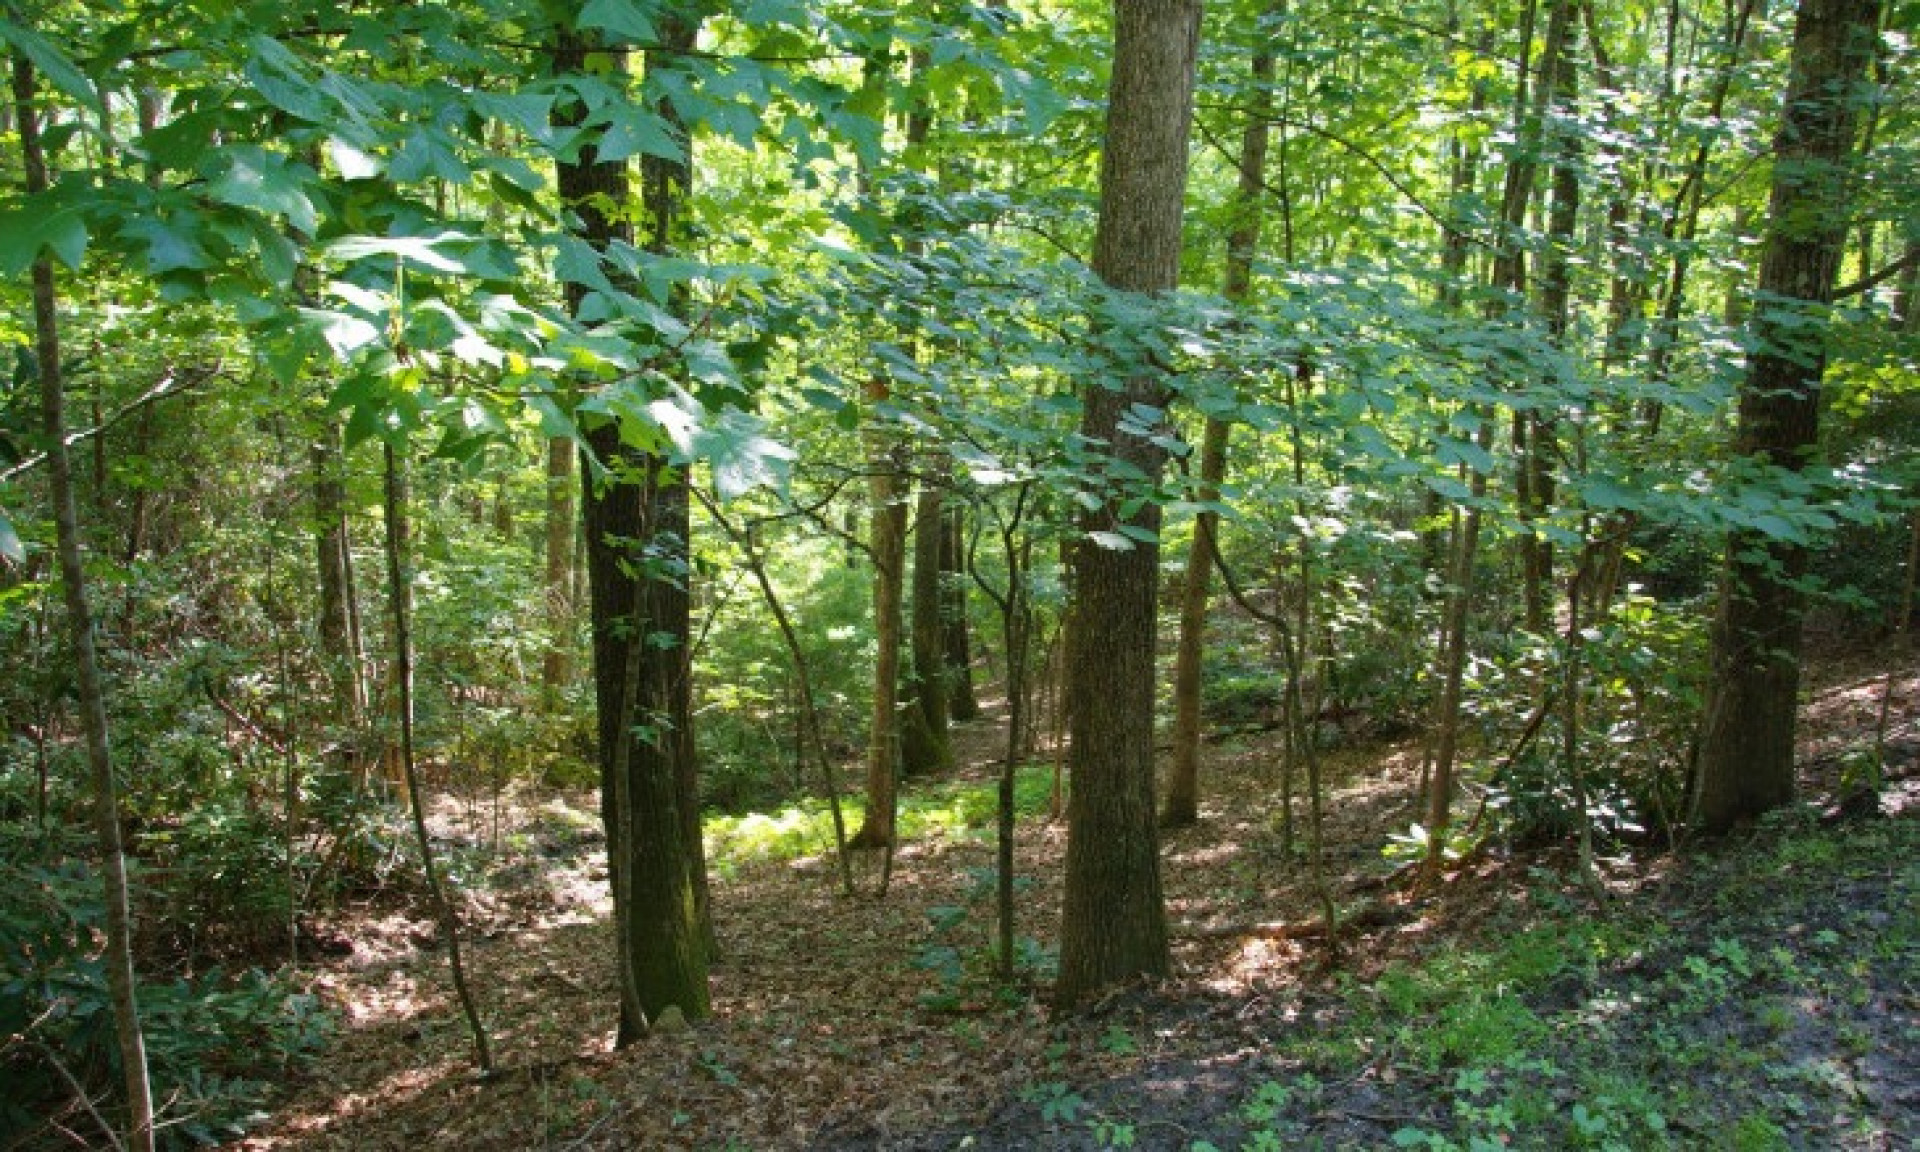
<point x="73" y="576"/>
<point x="1746" y="751"/>
<point x="1181" y="805"/>
<point x="1114" y="924"/>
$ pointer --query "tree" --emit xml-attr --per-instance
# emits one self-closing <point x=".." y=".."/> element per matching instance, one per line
<point x="1114" y="918"/>
<point x="927" y="746"/>
<point x="73" y="577"/>
<point x="637" y="526"/>
<point x="1182" y="803"/>
<point x="1746" y="760"/>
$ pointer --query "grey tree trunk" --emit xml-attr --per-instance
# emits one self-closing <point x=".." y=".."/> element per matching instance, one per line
<point x="556" y="667"/>
<point x="339" y="638"/>
<point x="956" y="636"/>
<point x="927" y="750"/>
<point x="1114" y="924"/>
<point x="400" y="599"/>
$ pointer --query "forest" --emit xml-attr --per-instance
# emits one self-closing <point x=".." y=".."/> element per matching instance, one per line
<point x="1001" y="574"/>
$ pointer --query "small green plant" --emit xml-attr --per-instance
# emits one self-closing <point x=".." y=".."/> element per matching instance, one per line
<point x="1113" y="1133"/>
<point x="1266" y="1104"/>
<point x="1058" y="1102"/>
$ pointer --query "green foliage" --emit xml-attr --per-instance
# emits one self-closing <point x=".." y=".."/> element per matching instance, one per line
<point x="217" y="1045"/>
<point x="951" y="811"/>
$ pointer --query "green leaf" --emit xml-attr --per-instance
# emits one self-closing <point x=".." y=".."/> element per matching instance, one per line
<point x="636" y="130"/>
<point x="417" y="250"/>
<point x="42" y="223"/>
<point x="265" y="182"/>
<point x="620" y="17"/>
<point x="169" y="247"/>
<point x="52" y="63"/>
<point x="734" y="443"/>
<point x="427" y="153"/>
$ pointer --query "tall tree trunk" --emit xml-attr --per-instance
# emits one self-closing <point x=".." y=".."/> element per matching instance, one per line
<point x="1181" y="805"/>
<point x="1113" y="924"/>
<point x="637" y="524"/>
<point x="556" y="667"/>
<point x="1508" y="278"/>
<point x="956" y="639"/>
<point x="339" y="638"/>
<point x="928" y="750"/>
<point x="887" y="548"/>
<point x="886" y="542"/>
<point x="1535" y="434"/>
<point x="73" y="578"/>
<point x="1746" y="752"/>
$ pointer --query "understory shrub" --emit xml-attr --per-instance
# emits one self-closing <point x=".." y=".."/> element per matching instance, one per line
<point x="215" y="1042"/>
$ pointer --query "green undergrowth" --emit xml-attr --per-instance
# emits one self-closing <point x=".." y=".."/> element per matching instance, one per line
<point x="1750" y="1002"/>
<point x="951" y="811"/>
<point x="1751" y="995"/>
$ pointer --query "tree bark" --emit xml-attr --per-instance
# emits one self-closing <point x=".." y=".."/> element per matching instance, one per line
<point x="1746" y="752"/>
<point x="400" y="597"/>
<point x="556" y="668"/>
<point x="956" y="638"/>
<point x="886" y="541"/>
<point x="1508" y="275"/>
<point x="1114" y="924"/>
<point x="637" y="522"/>
<point x="118" y="959"/>
<point x="339" y="639"/>
<point x="927" y="751"/>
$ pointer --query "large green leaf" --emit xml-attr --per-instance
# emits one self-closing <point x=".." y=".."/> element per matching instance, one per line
<point x="252" y="177"/>
<point x="56" y="220"/>
<point x="52" y="63"/>
<point x="623" y="18"/>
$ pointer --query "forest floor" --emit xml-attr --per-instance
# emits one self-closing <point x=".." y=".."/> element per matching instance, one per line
<point x="1754" y="993"/>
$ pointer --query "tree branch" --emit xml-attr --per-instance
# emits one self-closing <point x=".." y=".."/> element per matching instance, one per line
<point x="168" y="385"/>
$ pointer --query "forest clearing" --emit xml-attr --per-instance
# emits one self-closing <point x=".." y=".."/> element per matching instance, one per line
<point x="839" y="574"/>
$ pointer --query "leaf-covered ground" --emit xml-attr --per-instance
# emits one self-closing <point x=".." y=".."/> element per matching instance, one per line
<point x="1758" y="993"/>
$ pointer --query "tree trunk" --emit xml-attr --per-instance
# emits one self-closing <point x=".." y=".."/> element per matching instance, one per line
<point x="886" y="540"/>
<point x="1746" y="753"/>
<point x="926" y="748"/>
<point x="637" y="524"/>
<point x="556" y="668"/>
<point x="1114" y="924"/>
<point x="1508" y="275"/>
<point x="400" y="596"/>
<point x="118" y="959"/>
<point x="1181" y="805"/>
<point x="956" y="639"/>
<point x="339" y="639"/>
